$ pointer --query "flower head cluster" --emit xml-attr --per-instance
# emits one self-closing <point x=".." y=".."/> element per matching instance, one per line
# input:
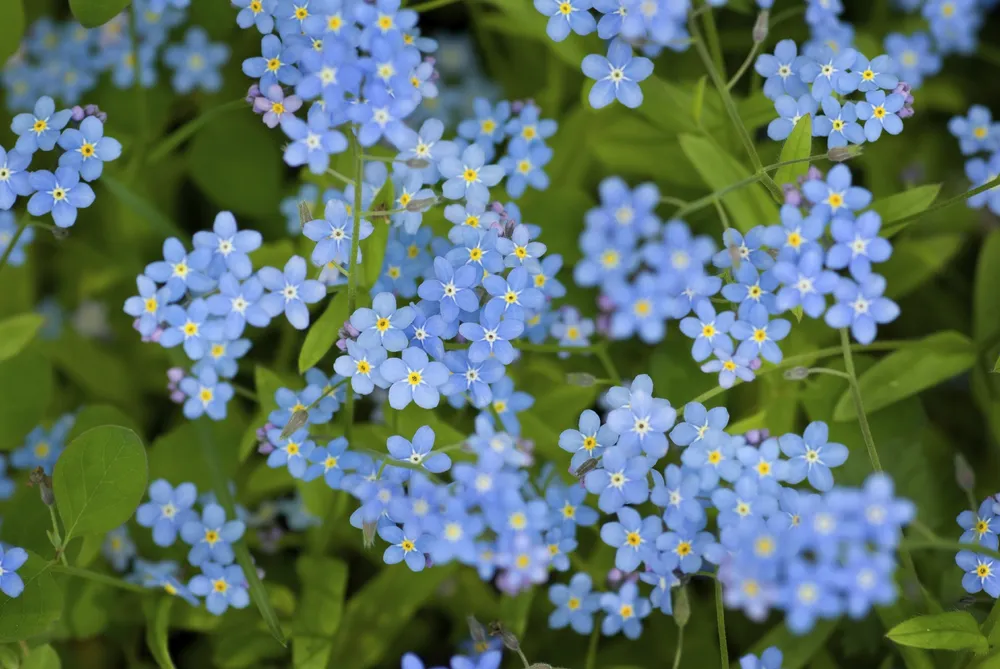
<point x="66" y="61"/>
<point x="979" y="138"/>
<point x="42" y="446"/>
<point x="980" y="527"/>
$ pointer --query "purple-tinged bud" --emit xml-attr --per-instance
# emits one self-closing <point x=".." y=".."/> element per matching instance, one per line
<point x="905" y="89"/>
<point x="603" y="324"/>
<point x="508" y="585"/>
<point x="497" y="208"/>
<point x="77" y="113"/>
<point x="346" y="333"/>
<point x="175" y="374"/>
<point x="516" y="106"/>
<point x="154" y="336"/>
<point x="265" y="448"/>
<point x="811" y="174"/>
<point x="755" y="364"/>
<point x="252" y="94"/>
<point x="759" y="32"/>
<point x="262" y="431"/>
<point x="964" y="474"/>
<point x="177" y="397"/>
<point x="430" y="60"/>
<point x="605" y="303"/>
<point x="615" y="578"/>
<point x="756" y="437"/>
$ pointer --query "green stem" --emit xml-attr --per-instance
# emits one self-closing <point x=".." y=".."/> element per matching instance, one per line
<point x="831" y="372"/>
<point x="608" y="363"/>
<point x="743" y="68"/>
<point x="595" y="636"/>
<point x="243" y="391"/>
<point x="99" y="578"/>
<point x="895" y="223"/>
<point x="948" y="546"/>
<point x="866" y="432"/>
<point x="720" y="617"/>
<point x="177" y="137"/>
<point x="13" y="240"/>
<point x="431" y="4"/>
<point x="338" y="175"/>
<point x="712" y="32"/>
<point x="680" y="648"/>
<point x="722" y="215"/>
<point x="734" y="114"/>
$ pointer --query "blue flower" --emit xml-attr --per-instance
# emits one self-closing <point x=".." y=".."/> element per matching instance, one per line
<point x="621" y="480"/>
<point x="313" y="399"/>
<point x="313" y="140"/>
<point x="764" y="463"/>
<point x="867" y="76"/>
<point x="331" y="462"/>
<point x="507" y="403"/>
<point x="491" y="337"/>
<point x="408" y="545"/>
<point x="769" y="659"/>
<point x="954" y="24"/>
<point x="677" y="494"/>
<point x="206" y="394"/>
<point x="523" y="165"/>
<point x="221" y="586"/>
<point x="790" y="111"/>
<point x="730" y="367"/>
<point x="383" y="18"/>
<point x="560" y="546"/>
<point x="683" y="549"/>
<point x="976" y="132"/>
<point x="824" y="70"/>
<point x="118" y="548"/>
<point x="708" y="330"/>
<point x="487" y="128"/>
<point x="41" y="128"/>
<point x="469" y="176"/>
<point x="743" y="505"/>
<point x="838" y="124"/>
<point x="758" y="334"/>
<point x="633" y="536"/>
<point x="167" y="510"/>
<point x="229" y="246"/>
<point x="196" y="62"/>
<point x="782" y="71"/>
<point x="810" y="456"/>
<point x="914" y="55"/>
<point x="333" y="234"/>
<point x="148" y="306"/>
<point x="60" y="194"/>
<point x="796" y="234"/>
<point x="275" y="64"/>
<point x="980" y="527"/>
<point x="643" y="424"/>
<point x="259" y="13"/>
<point x="426" y="332"/>
<point x="981" y="172"/>
<point x="878" y="111"/>
<point x="589" y="441"/>
<point x="41" y="447"/>
<point x="381" y="115"/>
<point x="567" y="509"/>
<point x="861" y="306"/>
<point x="181" y="271"/>
<point x="513" y="294"/>
<point x="11" y="560"/>
<point x="87" y="149"/>
<point x="14" y="178"/>
<point x="741" y="248"/>
<point x="292" y="452"/>
<point x="528" y="128"/>
<point x="617" y="76"/>
<point x="238" y="304"/>
<point x="210" y="537"/>
<point x="575" y="604"/>
<point x="383" y="325"/>
<point x="700" y="425"/>
<point x="475" y="247"/>
<point x="290" y="292"/>
<point x="981" y="573"/>
<point x="191" y="327"/>
<point x="806" y="284"/>
<point x="836" y="195"/>
<point x="519" y="251"/>
<point x="571" y="329"/>
<point x="414" y="379"/>
<point x="567" y="16"/>
<point x="361" y="366"/>
<point x="624" y="610"/>
<point x="419" y="451"/>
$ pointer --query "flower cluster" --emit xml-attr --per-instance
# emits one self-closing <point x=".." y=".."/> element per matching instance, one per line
<point x="41" y="448"/>
<point x="982" y="572"/>
<point x="977" y="133"/>
<point x="820" y="79"/>
<point x="650" y="272"/>
<point x="954" y="25"/>
<point x="66" y="60"/>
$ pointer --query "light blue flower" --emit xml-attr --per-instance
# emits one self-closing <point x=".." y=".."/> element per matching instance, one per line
<point x="229" y="246"/>
<point x="60" y="194"/>
<point x="567" y="16"/>
<point x="469" y="176"/>
<point x="167" y="510"/>
<point x="617" y="76"/>
<point x="290" y="292"/>
<point x="206" y="395"/>
<point x="879" y="112"/>
<point x="39" y="129"/>
<point x="414" y="378"/>
<point x="383" y="325"/>
<point x="759" y="334"/>
<point x="782" y="71"/>
<point x="87" y="149"/>
<point x="575" y="604"/>
<point x="811" y="456"/>
<point x="418" y="452"/>
<point x="221" y="586"/>
<point x="790" y="111"/>
<point x="211" y="535"/>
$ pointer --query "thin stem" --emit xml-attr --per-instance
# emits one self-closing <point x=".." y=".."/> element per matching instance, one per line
<point x="895" y="223"/>
<point x="608" y="363"/>
<point x="734" y="114"/>
<point x="524" y="660"/>
<point x="592" y="647"/>
<point x="177" y="137"/>
<point x="334" y="173"/>
<point x="376" y="214"/>
<point x="676" y="201"/>
<point x="722" y="215"/>
<point x="60" y="545"/>
<point x="743" y="68"/>
<point x="948" y="546"/>
<point x="243" y="391"/>
<point x="720" y="618"/>
<point x="352" y="273"/>
<point x="680" y="648"/>
<point x="712" y="33"/>
<point x="431" y="4"/>
<point x="99" y="578"/>
<point x="13" y="240"/>
<point x="866" y="432"/>
<point x="55" y="229"/>
<point x="831" y="372"/>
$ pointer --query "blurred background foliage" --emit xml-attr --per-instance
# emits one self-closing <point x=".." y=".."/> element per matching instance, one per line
<point x="338" y="597"/>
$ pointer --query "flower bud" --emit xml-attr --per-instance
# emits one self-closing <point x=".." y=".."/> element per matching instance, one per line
<point x="793" y="195"/>
<point x="298" y="419"/>
<point x="417" y="163"/>
<point x="77" y="114"/>
<point x="581" y="379"/>
<point x="964" y="475"/>
<point x="755" y="364"/>
<point x="476" y="630"/>
<point x="796" y="373"/>
<point x="422" y="204"/>
<point x="368" y="533"/>
<point x="252" y="93"/>
<point x="839" y="154"/>
<point x="682" y="607"/>
<point x="589" y="465"/>
<point x="759" y="32"/>
<point x="39" y="478"/>
<point x="175" y="374"/>
<point x="305" y="213"/>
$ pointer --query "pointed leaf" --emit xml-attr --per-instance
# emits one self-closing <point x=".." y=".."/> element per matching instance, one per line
<point x="93" y="13"/>
<point x="324" y="586"/>
<point x="17" y="332"/>
<point x="952" y="630"/>
<point x="797" y="146"/>
<point x="322" y="334"/>
<point x="157" y="629"/>
<point x="11" y="28"/>
<point x="901" y="205"/>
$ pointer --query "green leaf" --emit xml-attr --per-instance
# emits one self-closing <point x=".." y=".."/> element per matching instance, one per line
<point x="904" y="204"/>
<point x="916" y="259"/>
<point x="96" y="415"/>
<point x="25" y="390"/>
<point x="985" y="315"/>
<point x="322" y="333"/>
<point x="27" y="528"/>
<point x="514" y="612"/>
<point x="952" y="630"/>
<point x="908" y="371"/>
<point x="236" y="162"/>
<point x="176" y="455"/>
<point x="11" y="28"/>
<point x="157" y="629"/>
<point x="99" y="480"/>
<point x="324" y="586"/>
<point x="373" y="250"/>
<point x="698" y="100"/>
<point x="160" y="222"/>
<point x="369" y="625"/>
<point x="42" y="657"/>
<point x="99" y="370"/>
<point x="16" y="332"/>
<point x="748" y="205"/>
<point x="797" y="146"/>
<point x="36" y="608"/>
<point x="93" y="13"/>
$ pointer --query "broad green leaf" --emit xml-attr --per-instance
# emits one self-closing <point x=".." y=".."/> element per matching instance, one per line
<point x="11" y="27"/>
<point x="158" y="628"/>
<point x="96" y="415"/>
<point x="324" y="585"/>
<point x="748" y="205"/>
<point x="16" y="332"/>
<point x="796" y="649"/>
<point x="94" y="367"/>
<point x="797" y="146"/>
<point x="99" y="480"/>
<point x="27" y="528"/>
<point x="93" y="13"/>
<point x="88" y="604"/>
<point x="908" y="371"/>
<point x="369" y="625"/>
<point x="42" y="657"/>
<point x="236" y="163"/>
<point x="322" y="333"/>
<point x="25" y="390"/>
<point x="985" y="315"/>
<point x="698" y="101"/>
<point x="916" y="259"/>
<point x="904" y="204"/>
<point x="176" y="455"/>
<point x="36" y="608"/>
<point x="952" y="630"/>
<point x="373" y="249"/>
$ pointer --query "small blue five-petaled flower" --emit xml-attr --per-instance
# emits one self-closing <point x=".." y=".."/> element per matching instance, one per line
<point x="617" y="76"/>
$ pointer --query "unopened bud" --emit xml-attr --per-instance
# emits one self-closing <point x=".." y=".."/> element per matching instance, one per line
<point x="422" y="204"/>
<point x="39" y="478"/>
<point x="759" y="32"/>
<point x="589" y="465"/>
<point x="508" y="637"/>
<point x="368" y="533"/>
<point x="305" y="213"/>
<point x="417" y="163"/>
<point x="581" y="379"/>
<point x="839" y="154"/>
<point x="796" y="373"/>
<point x="734" y="255"/>
<point x="682" y="607"/>
<point x="964" y="475"/>
<point x="476" y="630"/>
<point x="298" y="419"/>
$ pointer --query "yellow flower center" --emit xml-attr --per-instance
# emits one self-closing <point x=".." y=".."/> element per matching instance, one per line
<point x="211" y="537"/>
<point x="642" y="308"/>
<point x="708" y="331"/>
<point x="626" y="611"/>
<point x="206" y="395"/>
<point x="218" y="350"/>
<point x="414" y="378"/>
<point x="58" y="194"/>
<point x="487" y="125"/>
<point x="868" y="75"/>
<point x="500" y="406"/>
<point x="609" y="259"/>
<point x="633" y="539"/>
<point x="838" y="125"/>
<point x="40" y="125"/>
<point x="983" y="571"/>
<point x="363" y="367"/>
<point x="565" y="8"/>
<point x="394" y="272"/>
<point x="573" y="604"/>
<point x="714" y="457"/>
<point x="879" y="112"/>
<point x="407" y="546"/>
<point x="384" y="22"/>
<point x="87" y="150"/>
<point x="759" y="335"/>
<point x="256" y="7"/>
<point x="729" y="366"/>
<point x="523" y="561"/>
<point x="301" y="13"/>
<point x="470" y="175"/>
<point x="151" y="305"/>
<point x="382" y="324"/>
<point x="683" y="548"/>
<point x="190" y="329"/>
<point x="572" y="332"/>
<point x="475" y="254"/>
<point x="794" y="240"/>
<point x="220" y="585"/>
<point x="274" y="64"/>
<point x="292" y="448"/>
<point x="330" y="462"/>
<point x="980" y="132"/>
<point x="41" y="449"/>
<point x="568" y="511"/>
